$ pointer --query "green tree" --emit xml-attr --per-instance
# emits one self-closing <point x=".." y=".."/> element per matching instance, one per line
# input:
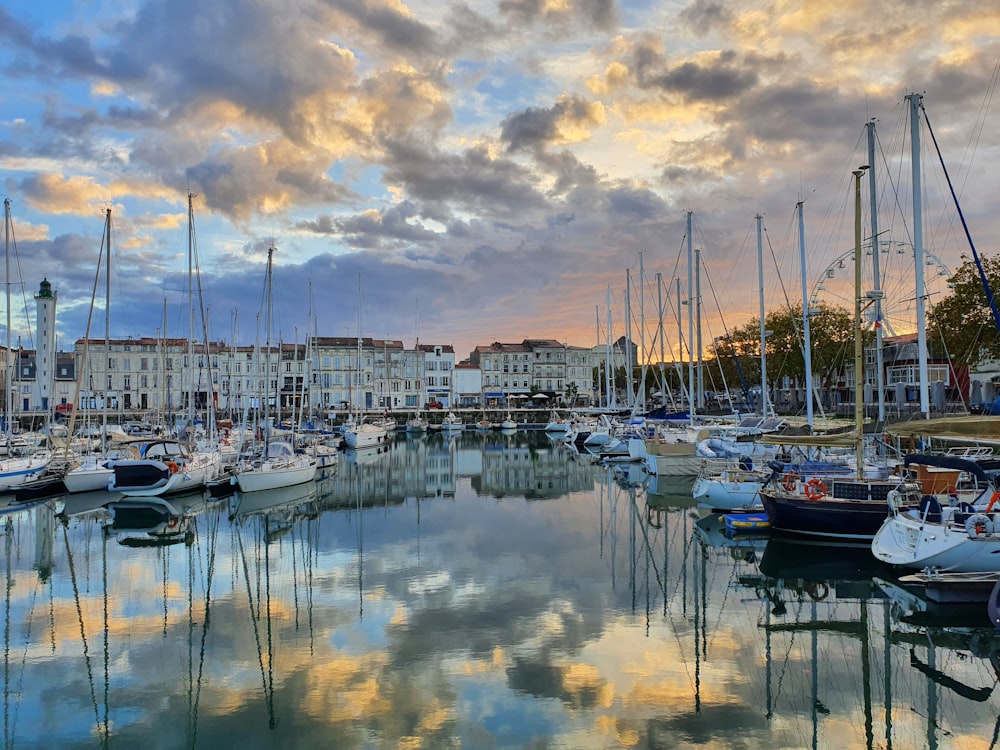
<point x="963" y="318"/>
<point x="831" y="336"/>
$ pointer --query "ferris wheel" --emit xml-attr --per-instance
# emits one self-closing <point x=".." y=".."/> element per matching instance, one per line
<point x="897" y="277"/>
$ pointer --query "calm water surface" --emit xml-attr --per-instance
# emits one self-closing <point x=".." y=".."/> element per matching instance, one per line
<point x="484" y="592"/>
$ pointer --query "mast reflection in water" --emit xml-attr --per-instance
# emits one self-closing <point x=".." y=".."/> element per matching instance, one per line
<point x="478" y="590"/>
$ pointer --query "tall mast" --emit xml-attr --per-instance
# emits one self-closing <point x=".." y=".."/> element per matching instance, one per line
<point x="629" y="396"/>
<point x="609" y="359"/>
<point x="679" y="362"/>
<point x="876" y="273"/>
<point x="267" y="352"/>
<point x="597" y="322"/>
<point x="690" y="258"/>
<point x="107" y="330"/>
<point x="700" y="397"/>
<point x="358" y="368"/>
<point x="763" y="331"/>
<point x="659" y="311"/>
<point x="918" y="250"/>
<point x="190" y="367"/>
<point x="641" y="395"/>
<point x="859" y="378"/>
<point x="807" y="349"/>
<point x="9" y="406"/>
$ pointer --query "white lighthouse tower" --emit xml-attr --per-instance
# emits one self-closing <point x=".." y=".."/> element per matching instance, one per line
<point x="45" y="355"/>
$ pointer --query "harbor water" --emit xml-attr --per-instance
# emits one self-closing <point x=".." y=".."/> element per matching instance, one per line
<point x="482" y="590"/>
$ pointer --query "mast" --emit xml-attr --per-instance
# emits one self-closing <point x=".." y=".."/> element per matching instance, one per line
<point x="918" y="250"/>
<point x="858" y="345"/>
<point x="629" y="395"/>
<point x="597" y="323"/>
<point x="358" y="366"/>
<point x="690" y="259"/>
<point x="608" y="359"/>
<point x="876" y="273"/>
<point x="8" y="381"/>
<point x="107" y="331"/>
<point x="267" y="349"/>
<point x="641" y="395"/>
<point x="659" y="312"/>
<point x="763" y="333"/>
<point x="807" y="349"/>
<point x="190" y="368"/>
<point x="700" y="392"/>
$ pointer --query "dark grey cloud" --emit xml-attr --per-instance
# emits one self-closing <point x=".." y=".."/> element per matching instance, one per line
<point x="470" y="179"/>
<point x="598" y="14"/>
<point x="695" y="81"/>
<point x="391" y="225"/>
<point x="535" y="127"/>
<point x="704" y="16"/>
<point x="393" y="31"/>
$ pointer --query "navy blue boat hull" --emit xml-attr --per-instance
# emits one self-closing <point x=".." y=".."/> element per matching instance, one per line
<point x="832" y="518"/>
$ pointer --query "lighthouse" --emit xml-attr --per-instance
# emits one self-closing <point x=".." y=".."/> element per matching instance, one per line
<point x="45" y="355"/>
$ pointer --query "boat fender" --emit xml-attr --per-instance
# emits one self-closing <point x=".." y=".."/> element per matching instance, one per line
<point x="815" y="489"/>
<point x="817" y="591"/>
<point x="788" y="481"/>
<point x="977" y="525"/>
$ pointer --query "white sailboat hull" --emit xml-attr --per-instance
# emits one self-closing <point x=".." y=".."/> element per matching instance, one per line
<point x="271" y="476"/>
<point x="89" y="477"/>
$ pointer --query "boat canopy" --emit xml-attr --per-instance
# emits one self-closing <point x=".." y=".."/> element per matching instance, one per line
<point x="948" y="427"/>
<point x="836" y="440"/>
<point x="943" y="461"/>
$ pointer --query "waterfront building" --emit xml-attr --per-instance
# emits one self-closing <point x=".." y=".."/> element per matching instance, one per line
<point x="439" y="369"/>
<point x="468" y="385"/>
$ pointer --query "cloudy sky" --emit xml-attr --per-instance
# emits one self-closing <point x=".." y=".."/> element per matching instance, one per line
<point x="481" y="169"/>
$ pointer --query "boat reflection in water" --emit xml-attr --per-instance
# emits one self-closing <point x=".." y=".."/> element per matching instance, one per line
<point x="482" y="590"/>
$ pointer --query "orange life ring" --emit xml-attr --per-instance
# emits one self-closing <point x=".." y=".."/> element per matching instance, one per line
<point x="172" y="522"/>
<point x="172" y="466"/>
<point x="817" y="591"/>
<point x="788" y="481"/>
<point x="993" y="500"/>
<point x="815" y="489"/>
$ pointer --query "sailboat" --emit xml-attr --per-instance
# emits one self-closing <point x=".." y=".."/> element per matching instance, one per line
<point x="279" y="465"/>
<point x="15" y="470"/>
<point x="416" y="423"/>
<point x="850" y="508"/>
<point x="168" y="465"/>
<point x="96" y="472"/>
<point x="357" y="432"/>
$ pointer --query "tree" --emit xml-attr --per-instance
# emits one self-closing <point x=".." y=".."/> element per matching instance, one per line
<point x="963" y="319"/>
<point x="571" y="393"/>
<point x="831" y="336"/>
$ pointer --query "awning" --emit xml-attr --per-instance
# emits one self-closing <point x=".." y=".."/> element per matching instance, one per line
<point x="839" y="439"/>
<point x="493" y="395"/>
<point x="961" y="428"/>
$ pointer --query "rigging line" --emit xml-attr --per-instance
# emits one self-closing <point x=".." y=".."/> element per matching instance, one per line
<point x="965" y="226"/>
<point x="213" y="526"/>
<point x="980" y="121"/>
<point x="107" y="638"/>
<point x="729" y="340"/>
<point x="951" y="365"/>
<point x="83" y="632"/>
<point x="190" y="644"/>
<point x="253" y="617"/>
<point x="24" y="656"/>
